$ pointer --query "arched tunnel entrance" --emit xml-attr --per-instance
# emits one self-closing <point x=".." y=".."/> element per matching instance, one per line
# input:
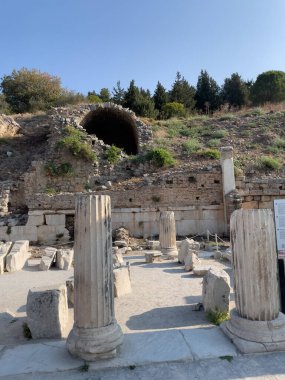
<point x="114" y="127"/>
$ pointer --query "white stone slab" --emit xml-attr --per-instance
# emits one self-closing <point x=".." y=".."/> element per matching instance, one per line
<point x="55" y="219"/>
<point x="148" y="347"/>
<point x="208" y="343"/>
<point x="4" y="250"/>
<point x="35" y="220"/>
<point x="18" y="255"/>
<point x="45" y="357"/>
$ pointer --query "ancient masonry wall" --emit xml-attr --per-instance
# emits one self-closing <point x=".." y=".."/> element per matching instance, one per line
<point x="260" y="193"/>
<point x="195" y="197"/>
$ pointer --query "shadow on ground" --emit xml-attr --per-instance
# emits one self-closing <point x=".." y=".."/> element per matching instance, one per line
<point x="168" y="317"/>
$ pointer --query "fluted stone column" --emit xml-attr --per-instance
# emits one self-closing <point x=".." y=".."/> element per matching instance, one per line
<point x="229" y="185"/>
<point x="167" y="234"/>
<point x="256" y="325"/>
<point x="95" y="333"/>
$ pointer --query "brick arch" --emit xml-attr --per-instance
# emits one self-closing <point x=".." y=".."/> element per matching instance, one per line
<point x="115" y="126"/>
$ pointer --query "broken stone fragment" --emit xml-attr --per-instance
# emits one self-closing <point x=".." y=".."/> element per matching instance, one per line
<point x="201" y="270"/>
<point x="47" y="258"/>
<point x="47" y="311"/>
<point x="186" y="246"/>
<point x="216" y="291"/>
<point x="64" y="258"/>
<point x="122" y="281"/>
<point x="191" y="260"/>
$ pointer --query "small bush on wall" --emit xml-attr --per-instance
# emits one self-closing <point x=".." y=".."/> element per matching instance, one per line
<point x="74" y="141"/>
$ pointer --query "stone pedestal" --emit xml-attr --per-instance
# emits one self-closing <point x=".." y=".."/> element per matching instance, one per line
<point x="167" y="234"/>
<point x="96" y="333"/>
<point x="256" y="325"/>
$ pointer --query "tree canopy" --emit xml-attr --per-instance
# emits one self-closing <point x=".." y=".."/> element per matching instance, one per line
<point x="235" y="91"/>
<point x="207" y="94"/>
<point x="269" y="87"/>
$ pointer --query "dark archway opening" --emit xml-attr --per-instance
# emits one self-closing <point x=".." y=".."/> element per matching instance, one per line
<point x="114" y="127"/>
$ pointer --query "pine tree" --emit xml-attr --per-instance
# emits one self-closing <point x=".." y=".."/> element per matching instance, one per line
<point x="207" y="96"/>
<point x="118" y="94"/>
<point x="182" y="92"/>
<point x="160" y="96"/>
<point x="235" y="91"/>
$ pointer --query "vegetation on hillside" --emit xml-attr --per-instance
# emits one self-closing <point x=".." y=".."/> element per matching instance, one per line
<point x="31" y="90"/>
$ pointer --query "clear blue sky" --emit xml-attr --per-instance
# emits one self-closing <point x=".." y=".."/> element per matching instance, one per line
<point x="92" y="44"/>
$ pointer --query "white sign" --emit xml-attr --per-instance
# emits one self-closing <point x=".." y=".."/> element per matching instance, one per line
<point x="279" y="211"/>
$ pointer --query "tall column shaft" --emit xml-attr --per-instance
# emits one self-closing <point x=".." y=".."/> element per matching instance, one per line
<point x="167" y="234"/>
<point x="93" y="275"/>
<point x="255" y="264"/>
<point x="95" y="332"/>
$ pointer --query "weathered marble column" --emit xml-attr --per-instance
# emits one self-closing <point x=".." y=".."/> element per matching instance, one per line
<point x="229" y="185"/>
<point x="167" y="234"/>
<point x="227" y="164"/>
<point x="256" y="325"/>
<point x="95" y="333"/>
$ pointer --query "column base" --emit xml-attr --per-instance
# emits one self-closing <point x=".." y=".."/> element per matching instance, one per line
<point x="169" y="253"/>
<point x="95" y="343"/>
<point x="255" y="336"/>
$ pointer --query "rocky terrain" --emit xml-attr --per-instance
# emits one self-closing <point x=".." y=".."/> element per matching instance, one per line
<point x="257" y="136"/>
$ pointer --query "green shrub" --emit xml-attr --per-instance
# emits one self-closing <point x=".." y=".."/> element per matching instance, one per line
<point x="75" y="142"/>
<point x="267" y="162"/>
<point x="113" y="154"/>
<point x="160" y="157"/>
<point x="173" y="109"/>
<point x="214" y="154"/>
<point x="191" y="146"/>
<point x="64" y="169"/>
<point x="217" y="317"/>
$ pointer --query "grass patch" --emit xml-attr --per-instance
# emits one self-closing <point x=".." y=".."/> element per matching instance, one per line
<point x="50" y="191"/>
<point x="219" y="134"/>
<point x="279" y="142"/>
<point x="113" y="154"/>
<point x="84" y="367"/>
<point x="217" y="317"/>
<point x="75" y="142"/>
<point x="229" y="358"/>
<point x="3" y="140"/>
<point x="214" y="143"/>
<point x="273" y="149"/>
<point x="228" y="116"/>
<point x="192" y="146"/>
<point x="213" y="154"/>
<point x="268" y="162"/>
